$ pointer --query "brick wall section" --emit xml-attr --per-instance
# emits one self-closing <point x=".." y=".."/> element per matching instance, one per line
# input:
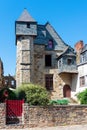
<point x="78" y="47"/>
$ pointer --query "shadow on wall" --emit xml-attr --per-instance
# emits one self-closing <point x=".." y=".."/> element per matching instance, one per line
<point x="74" y="82"/>
<point x="70" y="79"/>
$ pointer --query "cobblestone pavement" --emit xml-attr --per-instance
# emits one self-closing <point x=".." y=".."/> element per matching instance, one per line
<point x="73" y="127"/>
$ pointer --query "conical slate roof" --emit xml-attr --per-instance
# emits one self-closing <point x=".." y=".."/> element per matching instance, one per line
<point x="26" y="17"/>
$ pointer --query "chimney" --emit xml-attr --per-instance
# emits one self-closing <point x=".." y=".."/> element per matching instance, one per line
<point x="78" y="47"/>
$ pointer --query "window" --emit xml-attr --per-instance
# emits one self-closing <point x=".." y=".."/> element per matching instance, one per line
<point x="60" y="63"/>
<point x="49" y="81"/>
<point x="69" y="61"/>
<point x="6" y="82"/>
<point x="48" y="62"/>
<point x="82" y="81"/>
<point x="28" y="25"/>
<point x="86" y="80"/>
<point x="50" y="44"/>
<point x="83" y="57"/>
<point x="12" y="82"/>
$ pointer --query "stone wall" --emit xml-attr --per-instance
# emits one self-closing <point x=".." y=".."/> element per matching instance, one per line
<point x="47" y="116"/>
<point x="40" y="70"/>
<point x="30" y="66"/>
<point x="2" y="115"/>
<point x="25" y="60"/>
<point x="55" y="115"/>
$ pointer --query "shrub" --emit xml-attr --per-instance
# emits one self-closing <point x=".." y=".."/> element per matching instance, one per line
<point x="82" y="97"/>
<point x="6" y="93"/>
<point x="59" y="102"/>
<point x="33" y="94"/>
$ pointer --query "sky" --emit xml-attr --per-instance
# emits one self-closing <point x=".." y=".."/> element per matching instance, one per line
<point x="68" y="17"/>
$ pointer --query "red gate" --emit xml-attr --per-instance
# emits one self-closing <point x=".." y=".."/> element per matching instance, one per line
<point x="13" y="111"/>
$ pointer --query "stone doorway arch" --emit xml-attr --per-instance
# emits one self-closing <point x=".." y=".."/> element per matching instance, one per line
<point x="66" y="91"/>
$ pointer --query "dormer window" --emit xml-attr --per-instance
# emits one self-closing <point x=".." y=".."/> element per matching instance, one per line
<point x="50" y="44"/>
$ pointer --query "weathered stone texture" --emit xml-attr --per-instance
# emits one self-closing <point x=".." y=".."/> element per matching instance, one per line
<point x="36" y="71"/>
<point x="57" y="115"/>
<point x="2" y="114"/>
<point x="18" y="61"/>
<point x="37" y="116"/>
<point x="21" y="28"/>
<point x="32" y="46"/>
<point x="40" y="71"/>
<point x="39" y="64"/>
<point x="25" y="60"/>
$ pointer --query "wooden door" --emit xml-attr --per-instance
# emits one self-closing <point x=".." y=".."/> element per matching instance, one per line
<point x="66" y="91"/>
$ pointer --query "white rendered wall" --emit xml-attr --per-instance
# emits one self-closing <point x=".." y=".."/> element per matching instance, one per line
<point x="82" y="71"/>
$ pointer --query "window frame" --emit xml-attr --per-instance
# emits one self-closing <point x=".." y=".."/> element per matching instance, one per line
<point x="6" y="82"/>
<point x="49" y="82"/>
<point x="28" y="25"/>
<point x="82" y="81"/>
<point x="69" y="61"/>
<point x="48" y="63"/>
<point x="60" y="63"/>
<point x="50" y="44"/>
<point x="12" y="82"/>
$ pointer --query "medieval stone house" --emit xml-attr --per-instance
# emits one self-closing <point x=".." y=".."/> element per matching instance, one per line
<point x="44" y="58"/>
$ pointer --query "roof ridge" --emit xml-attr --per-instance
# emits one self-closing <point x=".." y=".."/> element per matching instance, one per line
<point x="48" y="23"/>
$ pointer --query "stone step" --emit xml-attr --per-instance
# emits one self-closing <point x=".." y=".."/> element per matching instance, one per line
<point x="72" y="101"/>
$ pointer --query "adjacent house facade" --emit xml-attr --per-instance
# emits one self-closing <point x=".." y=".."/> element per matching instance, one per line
<point x="44" y="58"/>
<point x="82" y="69"/>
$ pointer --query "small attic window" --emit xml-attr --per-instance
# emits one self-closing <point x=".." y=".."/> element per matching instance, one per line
<point x="28" y="25"/>
<point x="50" y="44"/>
<point x="69" y="61"/>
